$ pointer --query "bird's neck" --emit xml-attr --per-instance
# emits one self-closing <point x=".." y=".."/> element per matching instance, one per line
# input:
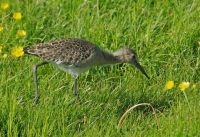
<point x="109" y="58"/>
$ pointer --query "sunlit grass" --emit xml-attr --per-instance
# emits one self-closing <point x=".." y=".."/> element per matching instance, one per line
<point x="21" y="33"/>
<point x="165" y="35"/>
<point x="1" y="28"/>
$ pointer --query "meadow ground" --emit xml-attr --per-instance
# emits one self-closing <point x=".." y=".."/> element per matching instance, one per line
<point x="166" y="36"/>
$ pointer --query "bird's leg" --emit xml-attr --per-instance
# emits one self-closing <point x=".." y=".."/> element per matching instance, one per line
<point x="75" y="87"/>
<point x="37" y="94"/>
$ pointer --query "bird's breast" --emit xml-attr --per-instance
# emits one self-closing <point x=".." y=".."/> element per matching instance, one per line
<point x="72" y="69"/>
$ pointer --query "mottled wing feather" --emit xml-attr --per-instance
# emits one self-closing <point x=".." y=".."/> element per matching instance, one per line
<point x="68" y="52"/>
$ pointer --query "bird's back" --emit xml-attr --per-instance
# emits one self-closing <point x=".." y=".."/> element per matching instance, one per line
<point x="70" y="51"/>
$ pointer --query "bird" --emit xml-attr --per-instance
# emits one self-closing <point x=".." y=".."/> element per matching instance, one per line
<point x="75" y="56"/>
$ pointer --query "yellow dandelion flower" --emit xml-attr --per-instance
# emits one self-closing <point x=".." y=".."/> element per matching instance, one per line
<point x="169" y="84"/>
<point x="17" y="51"/>
<point x="5" y="56"/>
<point x="184" y="85"/>
<point x="4" y="6"/>
<point x="17" y="15"/>
<point x="1" y="28"/>
<point x="21" y="33"/>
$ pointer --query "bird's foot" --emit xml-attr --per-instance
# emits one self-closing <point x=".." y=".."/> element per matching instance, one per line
<point x="76" y="95"/>
<point x="36" y="99"/>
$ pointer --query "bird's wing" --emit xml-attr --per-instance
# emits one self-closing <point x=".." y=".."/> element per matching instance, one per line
<point x="68" y="52"/>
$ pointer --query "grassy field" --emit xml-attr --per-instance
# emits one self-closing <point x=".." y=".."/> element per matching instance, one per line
<point x="166" y="37"/>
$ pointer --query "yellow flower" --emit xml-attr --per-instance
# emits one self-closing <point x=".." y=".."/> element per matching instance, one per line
<point x="5" y="56"/>
<point x="17" y="15"/>
<point x="184" y="85"/>
<point x="4" y="6"/>
<point x="169" y="84"/>
<point x="17" y="51"/>
<point x="1" y="28"/>
<point x="21" y="33"/>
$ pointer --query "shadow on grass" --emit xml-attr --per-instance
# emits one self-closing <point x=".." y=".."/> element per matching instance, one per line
<point x="161" y="103"/>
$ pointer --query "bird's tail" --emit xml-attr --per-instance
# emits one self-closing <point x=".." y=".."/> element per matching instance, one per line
<point x="26" y="50"/>
<point x="30" y="51"/>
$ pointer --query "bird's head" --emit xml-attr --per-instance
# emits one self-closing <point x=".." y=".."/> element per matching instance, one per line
<point x="127" y="55"/>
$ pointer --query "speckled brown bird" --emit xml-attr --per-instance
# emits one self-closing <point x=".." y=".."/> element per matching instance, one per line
<point x="76" y="56"/>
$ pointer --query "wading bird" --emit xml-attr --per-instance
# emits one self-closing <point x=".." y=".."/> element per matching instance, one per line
<point x="76" y="56"/>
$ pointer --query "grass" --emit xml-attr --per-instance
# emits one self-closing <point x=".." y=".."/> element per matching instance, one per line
<point x="165" y="35"/>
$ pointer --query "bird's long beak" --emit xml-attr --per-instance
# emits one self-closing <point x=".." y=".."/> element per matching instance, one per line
<point x="137" y="65"/>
